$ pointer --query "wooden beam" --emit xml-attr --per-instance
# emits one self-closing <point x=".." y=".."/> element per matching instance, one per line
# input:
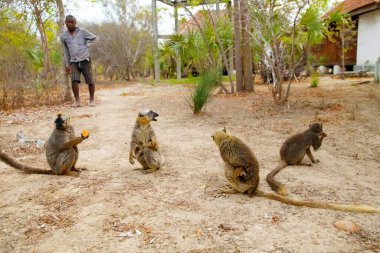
<point x="155" y="46"/>
<point x="190" y="2"/>
<point x="178" y="57"/>
<point x="164" y="36"/>
<point x="168" y="2"/>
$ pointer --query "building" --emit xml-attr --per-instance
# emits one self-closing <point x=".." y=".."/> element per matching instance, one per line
<point x="365" y="45"/>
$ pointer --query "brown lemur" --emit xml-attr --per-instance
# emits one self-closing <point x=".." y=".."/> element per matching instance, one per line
<point x="61" y="150"/>
<point x="293" y="151"/>
<point x="241" y="170"/>
<point x="143" y="132"/>
<point x="148" y="156"/>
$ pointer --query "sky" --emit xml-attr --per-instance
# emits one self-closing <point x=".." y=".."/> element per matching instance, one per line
<point x="89" y="11"/>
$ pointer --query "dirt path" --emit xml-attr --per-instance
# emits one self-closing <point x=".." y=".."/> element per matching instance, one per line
<point x="179" y="208"/>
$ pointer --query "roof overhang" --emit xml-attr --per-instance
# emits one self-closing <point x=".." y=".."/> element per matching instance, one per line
<point x="368" y="8"/>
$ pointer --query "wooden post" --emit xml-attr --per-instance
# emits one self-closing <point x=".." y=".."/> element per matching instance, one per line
<point x="377" y="71"/>
<point x="178" y="57"/>
<point x="155" y="46"/>
<point x="237" y="41"/>
<point x="231" y="50"/>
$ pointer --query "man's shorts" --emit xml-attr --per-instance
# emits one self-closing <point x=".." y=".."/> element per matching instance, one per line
<point x="83" y="67"/>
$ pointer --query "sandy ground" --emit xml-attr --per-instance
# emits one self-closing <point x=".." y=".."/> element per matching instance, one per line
<point x="112" y="207"/>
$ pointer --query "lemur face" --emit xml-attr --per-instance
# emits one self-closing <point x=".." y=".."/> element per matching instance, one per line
<point x="316" y="127"/>
<point x="151" y="114"/>
<point x="62" y="122"/>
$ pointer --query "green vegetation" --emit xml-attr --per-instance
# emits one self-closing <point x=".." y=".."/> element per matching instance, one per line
<point x="31" y="56"/>
<point x="203" y="90"/>
<point x="189" y="80"/>
<point x="197" y="48"/>
<point x="174" y="81"/>
<point x="314" y="80"/>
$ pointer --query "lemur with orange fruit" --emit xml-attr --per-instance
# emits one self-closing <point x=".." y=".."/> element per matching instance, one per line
<point x="61" y="150"/>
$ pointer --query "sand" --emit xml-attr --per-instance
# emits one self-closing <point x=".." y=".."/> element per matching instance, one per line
<point x="115" y="207"/>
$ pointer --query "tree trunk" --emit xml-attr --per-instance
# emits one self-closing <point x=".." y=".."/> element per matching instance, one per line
<point x="292" y="66"/>
<point x="277" y="72"/>
<point x="67" y="97"/>
<point x="342" y="74"/>
<point x="237" y="40"/>
<point x="246" y="47"/>
<point x="44" y="43"/>
<point x="231" y="49"/>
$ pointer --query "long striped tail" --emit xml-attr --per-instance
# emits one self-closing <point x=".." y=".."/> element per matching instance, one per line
<point x="27" y="169"/>
<point x="322" y="205"/>
<point x="274" y="184"/>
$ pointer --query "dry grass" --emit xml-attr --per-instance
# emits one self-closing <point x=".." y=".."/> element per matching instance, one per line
<point x="40" y="227"/>
<point x="19" y="97"/>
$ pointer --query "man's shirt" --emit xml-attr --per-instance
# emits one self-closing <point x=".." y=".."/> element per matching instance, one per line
<point x="75" y="47"/>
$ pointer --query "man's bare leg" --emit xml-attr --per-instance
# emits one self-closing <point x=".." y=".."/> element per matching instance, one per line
<point x="91" y="89"/>
<point x="75" y="88"/>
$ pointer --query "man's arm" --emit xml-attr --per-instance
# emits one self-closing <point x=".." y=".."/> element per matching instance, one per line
<point x="65" y="52"/>
<point x="89" y="37"/>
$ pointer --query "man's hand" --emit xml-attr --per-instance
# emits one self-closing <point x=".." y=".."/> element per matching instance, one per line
<point x="68" y="69"/>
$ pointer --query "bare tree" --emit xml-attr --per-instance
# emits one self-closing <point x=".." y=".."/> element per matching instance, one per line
<point x="300" y="6"/>
<point x="125" y="40"/>
<point x="237" y="40"/>
<point x="271" y="21"/>
<point x="38" y="8"/>
<point x="61" y="28"/>
<point x="246" y="47"/>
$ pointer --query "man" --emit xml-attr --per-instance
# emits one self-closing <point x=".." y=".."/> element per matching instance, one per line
<point x="76" y="42"/>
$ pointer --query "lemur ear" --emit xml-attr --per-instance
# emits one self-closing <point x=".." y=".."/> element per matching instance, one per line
<point x="58" y="121"/>
<point x="140" y="115"/>
<point x="224" y="129"/>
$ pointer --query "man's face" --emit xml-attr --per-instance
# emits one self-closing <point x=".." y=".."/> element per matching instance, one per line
<point x="70" y="24"/>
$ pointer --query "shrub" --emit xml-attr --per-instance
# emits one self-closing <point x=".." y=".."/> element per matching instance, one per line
<point x="201" y="94"/>
<point x="314" y="80"/>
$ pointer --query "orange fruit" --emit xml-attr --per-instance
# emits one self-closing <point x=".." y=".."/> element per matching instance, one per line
<point x="85" y="133"/>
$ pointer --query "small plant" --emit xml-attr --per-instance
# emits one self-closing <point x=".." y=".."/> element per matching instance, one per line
<point x="314" y="80"/>
<point x="201" y="94"/>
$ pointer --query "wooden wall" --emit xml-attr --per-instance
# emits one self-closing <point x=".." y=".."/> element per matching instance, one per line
<point x="329" y="53"/>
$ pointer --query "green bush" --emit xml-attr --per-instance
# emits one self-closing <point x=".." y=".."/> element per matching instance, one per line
<point x="314" y="80"/>
<point x="201" y="94"/>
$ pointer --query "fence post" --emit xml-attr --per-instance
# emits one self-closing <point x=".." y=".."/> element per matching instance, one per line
<point x="377" y="71"/>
